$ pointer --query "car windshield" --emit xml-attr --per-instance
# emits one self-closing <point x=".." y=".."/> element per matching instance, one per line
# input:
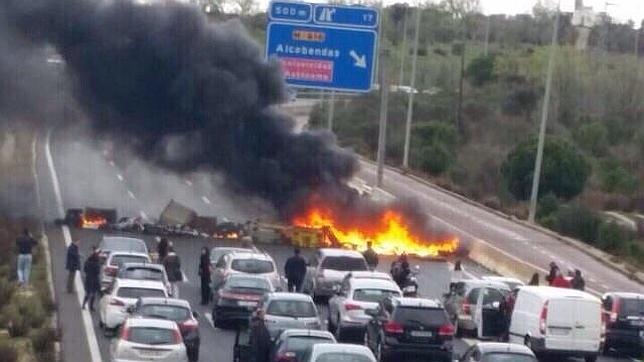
<point x="248" y="283"/>
<point x="171" y="312"/>
<point x="252" y="266"/>
<point x="133" y="245"/>
<point x="344" y="263"/>
<point x="134" y="293"/>
<point x="632" y="307"/>
<point x="152" y="336"/>
<point x="140" y="273"/>
<point x="426" y="316"/>
<point x="373" y="295"/>
<point x="217" y="253"/>
<point x="507" y="357"/>
<point x="292" y="308"/>
<point x="342" y="357"/>
<point x="122" y="259"/>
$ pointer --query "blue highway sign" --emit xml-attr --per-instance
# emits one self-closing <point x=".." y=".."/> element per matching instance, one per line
<point x="324" y="46"/>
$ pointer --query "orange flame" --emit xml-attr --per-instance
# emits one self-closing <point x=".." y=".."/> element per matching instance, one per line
<point x="93" y="221"/>
<point x="389" y="236"/>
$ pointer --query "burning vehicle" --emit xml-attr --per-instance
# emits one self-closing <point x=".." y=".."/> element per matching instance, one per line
<point x="89" y="218"/>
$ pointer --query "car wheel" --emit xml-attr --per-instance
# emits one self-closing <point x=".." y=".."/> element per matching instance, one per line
<point x="590" y="358"/>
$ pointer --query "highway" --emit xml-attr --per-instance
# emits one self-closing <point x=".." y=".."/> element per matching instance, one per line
<point x="90" y="177"/>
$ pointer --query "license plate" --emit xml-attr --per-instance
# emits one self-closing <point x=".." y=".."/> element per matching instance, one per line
<point x="149" y="354"/>
<point x="421" y="334"/>
<point x="247" y="304"/>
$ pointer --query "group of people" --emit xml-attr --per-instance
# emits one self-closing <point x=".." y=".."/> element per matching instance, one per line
<point x="91" y="268"/>
<point x="555" y="278"/>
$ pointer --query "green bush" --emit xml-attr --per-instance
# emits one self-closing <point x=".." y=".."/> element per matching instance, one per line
<point x="548" y="205"/>
<point x="578" y="222"/>
<point x="42" y="341"/>
<point x="8" y="352"/>
<point x="612" y="237"/>
<point x="433" y="159"/>
<point x="32" y="310"/>
<point x="7" y="288"/>
<point x="481" y="70"/>
<point x="593" y="137"/>
<point x="615" y="178"/>
<point x="18" y="326"/>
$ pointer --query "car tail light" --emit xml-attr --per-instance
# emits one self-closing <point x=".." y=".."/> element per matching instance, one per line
<point x="111" y="271"/>
<point x="352" y="306"/>
<point x="286" y="357"/>
<point x="393" y="328"/>
<point x="466" y="308"/>
<point x="117" y="302"/>
<point x="543" y="318"/>
<point x="237" y="296"/>
<point x="614" y="313"/>
<point x="125" y="333"/>
<point x="177" y="339"/>
<point x="446" y="330"/>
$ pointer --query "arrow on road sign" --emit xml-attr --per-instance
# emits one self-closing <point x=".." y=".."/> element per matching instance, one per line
<point x="361" y="61"/>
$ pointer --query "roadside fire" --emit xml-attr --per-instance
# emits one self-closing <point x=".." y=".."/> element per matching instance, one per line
<point x="390" y="234"/>
<point x="93" y="221"/>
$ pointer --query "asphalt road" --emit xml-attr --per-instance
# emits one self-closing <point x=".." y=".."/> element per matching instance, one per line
<point x="88" y="178"/>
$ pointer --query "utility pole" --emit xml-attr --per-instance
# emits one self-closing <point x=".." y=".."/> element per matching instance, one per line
<point x="382" y="129"/>
<point x="403" y="50"/>
<point x="329" y="116"/>
<point x="412" y="90"/>
<point x="487" y="35"/>
<point x="544" y="118"/>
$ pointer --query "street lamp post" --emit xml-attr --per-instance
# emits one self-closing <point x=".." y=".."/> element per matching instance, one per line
<point x="382" y="129"/>
<point x="412" y="90"/>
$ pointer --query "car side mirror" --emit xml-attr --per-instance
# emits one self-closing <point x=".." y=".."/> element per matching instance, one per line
<point x="195" y="314"/>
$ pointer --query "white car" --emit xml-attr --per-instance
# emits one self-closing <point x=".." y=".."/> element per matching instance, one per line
<point x="327" y="352"/>
<point x="122" y="294"/>
<point x="512" y="283"/>
<point x="327" y="269"/>
<point x="259" y="264"/>
<point x="147" y="339"/>
<point x="114" y="262"/>
<point x="113" y="243"/>
<point x="347" y="308"/>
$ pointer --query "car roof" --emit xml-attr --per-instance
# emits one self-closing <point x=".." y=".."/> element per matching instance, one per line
<point x="492" y="347"/>
<point x="233" y="249"/>
<point x="150" y="322"/>
<point x="418" y="302"/>
<point x="369" y="275"/>
<point x="248" y="276"/>
<point x="320" y="348"/>
<point x="143" y="284"/>
<point x="626" y="295"/>
<point x="484" y="283"/>
<point x="120" y="239"/>
<point x="289" y="296"/>
<point x="339" y="252"/>
<point x="306" y="333"/>
<point x="165" y="301"/>
<point x="142" y="266"/>
<point x="128" y="253"/>
<point x="251" y="255"/>
<point x="553" y="292"/>
<point x="502" y="279"/>
<point x="374" y="284"/>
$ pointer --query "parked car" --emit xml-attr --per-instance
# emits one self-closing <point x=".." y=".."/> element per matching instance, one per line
<point x="325" y="352"/>
<point x="144" y="271"/>
<point x="279" y="311"/>
<point x="512" y="283"/>
<point x="624" y="317"/>
<point x="122" y="294"/>
<point x="404" y="327"/>
<point x="480" y="314"/>
<point x="217" y="252"/>
<point x="176" y="310"/>
<point x="557" y="321"/>
<point x="115" y="261"/>
<point x="111" y="243"/>
<point x="245" y="263"/>
<point x="149" y="339"/>
<point x="328" y="267"/>
<point x="346" y="314"/>
<point x="292" y="344"/>
<point x="498" y="352"/>
<point x="238" y="297"/>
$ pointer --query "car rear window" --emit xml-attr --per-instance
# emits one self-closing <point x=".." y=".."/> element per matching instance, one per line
<point x="373" y="295"/>
<point x="122" y="259"/>
<point x="142" y="274"/>
<point x="302" y="344"/>
<point x="342" y="357"/>
<point x="426" y="316"/>
<point x="170" y="312"/>
<point x="252" y="266"/>
<point x="291" y="308"/>
<point x="343" y="263"/>
<point x="632" y="307"/>
<point x="124" y="245"/>
<point x="153" y="336"/>
<point x="135" y="293"/>
<point x="248" y="283"/>
<point x="507" y="357"/>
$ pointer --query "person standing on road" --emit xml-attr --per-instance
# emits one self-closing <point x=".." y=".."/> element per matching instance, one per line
<point x="457" y="275"/>
<point x="554" y="269"/>
<point x="534" y="281"/>
<point x="162" y="249"/>
<point x="172" y="265"/>
<point x="72" y="264"/>
<point x="204" y="275"/>
<point x="92" y="269"/>
<point x="400" y="270"/>
<point x="371" y="256"/>
<point x="295" y="269"/>
<point x="25" y="244"/>
<point x="577" y="281"/>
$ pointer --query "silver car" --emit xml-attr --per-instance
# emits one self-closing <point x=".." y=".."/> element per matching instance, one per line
<point x="325" y="352"/>
<point x="147" y="339"/>
<point x="280" y="311"/>
<point x="254" y="263"/>
<point x="328" y="267"/>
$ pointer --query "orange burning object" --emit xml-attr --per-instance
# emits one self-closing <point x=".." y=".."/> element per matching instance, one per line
<point x="390" y="235"/>
<point x="93" y="221"/>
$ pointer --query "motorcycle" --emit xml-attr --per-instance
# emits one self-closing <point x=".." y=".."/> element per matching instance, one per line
<point x="410" y="286"/>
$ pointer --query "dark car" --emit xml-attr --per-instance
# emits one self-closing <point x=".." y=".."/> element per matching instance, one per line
<point x="292" y="344"/>
<point x="177" y="310"/>
<point x="404" y="327"/>
<point x="624" y="318"/>
<point x="498" y="352"/>
<point x="238" y="298"/>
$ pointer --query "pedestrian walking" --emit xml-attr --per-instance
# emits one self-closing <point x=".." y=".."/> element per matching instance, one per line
<point x="295" y="269"/>
<point x="204" y="274"/>
<point x="72" y="264"/>
<point x="92" y="269"/>
<point x="577" y="281"/>
<point x="172" y="265"/>
<point x="25" y="244"/>
<point x="554" y="269"/>
<point x="400" y="270"/>
<point x="371" y="256"/>
<point x="534" y="280"/>
<point x="162" y="249"/>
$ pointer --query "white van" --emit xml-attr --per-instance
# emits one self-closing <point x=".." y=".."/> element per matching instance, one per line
<point x="557" y="321"/>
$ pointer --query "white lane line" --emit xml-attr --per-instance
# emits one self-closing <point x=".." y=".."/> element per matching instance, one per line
<point x="119" y="176"/>
<point x="131" y="195"/>
<point x="92" y="342"/>
<point x="112" y="164"/>
<point x="205" y="199"/>
<point x="188" y="182"/>
<point x="209" y="319"/>
<point x="185" y="278"/>
<point x="143" y="215"/>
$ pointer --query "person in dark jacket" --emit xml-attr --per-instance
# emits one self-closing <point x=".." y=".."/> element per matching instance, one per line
<point x="204" y="275"/>
<point x="72" y="264"/>
<point x="534" y="281"/>
<point x="400" y="270"/>
<point x="25" y="244"/>
<point x="162" y="249"/>
<point x="295" y="269"/>
<point x="554" y="269"/>
<point x="577" y="281"/>
<point x="172" y="265"/>
<point x="92" y="269"/>
<point x="371" y="256"/>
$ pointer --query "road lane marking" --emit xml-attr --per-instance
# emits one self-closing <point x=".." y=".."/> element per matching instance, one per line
<point x="112" y="164"/>
<point x="92" y="342"/>
<point x="143" y="215"/>
<point x="205" y="199"/>
<point x="188" y="182"/>
<point x="119" y="176"/>
<point x="131" y="195"/>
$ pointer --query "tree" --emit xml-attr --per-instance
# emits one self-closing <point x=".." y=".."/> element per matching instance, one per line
<point x="246" y="7"/>
<point x="593" y="137"/>
<point x="564" y="171"/>
<point x="481" y="70"/>
<point x="522" y="100"/>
